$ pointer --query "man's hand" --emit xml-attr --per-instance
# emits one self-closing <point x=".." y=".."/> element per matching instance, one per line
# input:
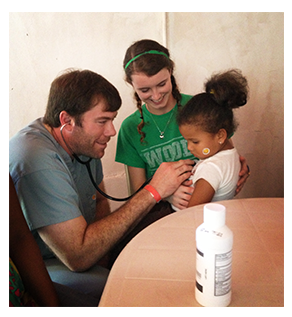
<point x="169" y="176"/>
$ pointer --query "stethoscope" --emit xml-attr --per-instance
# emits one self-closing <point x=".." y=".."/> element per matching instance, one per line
<point x="87" y="164"/>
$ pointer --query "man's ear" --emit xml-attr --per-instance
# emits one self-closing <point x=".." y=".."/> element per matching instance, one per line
<point x="67" y="120"/>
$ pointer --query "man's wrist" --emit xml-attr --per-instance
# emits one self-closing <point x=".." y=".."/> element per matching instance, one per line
<point x="153" y="192"/>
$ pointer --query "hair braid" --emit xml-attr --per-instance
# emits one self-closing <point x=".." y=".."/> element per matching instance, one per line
<point x="175" y="91"/>
<point x="142" y="123"/>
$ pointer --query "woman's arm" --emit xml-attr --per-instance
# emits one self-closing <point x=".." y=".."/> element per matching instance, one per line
<point x="243" y="174"/>
<point x="102" y="204"/>
<point x="137" y="177"/>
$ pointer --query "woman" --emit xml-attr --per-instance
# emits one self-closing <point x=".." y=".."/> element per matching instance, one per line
<point x="149" y="70"/>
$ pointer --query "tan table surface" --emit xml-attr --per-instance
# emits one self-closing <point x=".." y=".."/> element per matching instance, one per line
<point x="158" y="267"/>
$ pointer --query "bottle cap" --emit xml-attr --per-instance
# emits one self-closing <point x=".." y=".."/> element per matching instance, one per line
<point x="214" y="215"/>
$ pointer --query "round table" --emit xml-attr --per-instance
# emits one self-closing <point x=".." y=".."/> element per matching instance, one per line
<point x="158" y="267"/>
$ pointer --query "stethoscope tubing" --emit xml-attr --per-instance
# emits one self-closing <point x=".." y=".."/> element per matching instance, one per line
<point x="87" y="164"/>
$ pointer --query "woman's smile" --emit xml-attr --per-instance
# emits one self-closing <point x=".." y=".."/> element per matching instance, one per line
<point x="158" y="101"/>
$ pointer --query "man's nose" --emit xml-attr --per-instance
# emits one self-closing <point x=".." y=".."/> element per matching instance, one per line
<point x="110" y="129"/>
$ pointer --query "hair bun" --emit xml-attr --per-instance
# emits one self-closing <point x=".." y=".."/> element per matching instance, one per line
<point x="229" y="89"/>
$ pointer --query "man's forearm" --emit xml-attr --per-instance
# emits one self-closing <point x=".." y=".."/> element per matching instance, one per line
<point x="79" y="245"/>
<point x="115" y="226"/>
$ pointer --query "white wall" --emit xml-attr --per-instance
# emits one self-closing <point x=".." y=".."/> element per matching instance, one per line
<point x="43" y="44"/>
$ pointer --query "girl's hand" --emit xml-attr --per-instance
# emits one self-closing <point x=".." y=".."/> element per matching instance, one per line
<point x="180" y="198"/>
<point x="243" y="174"/>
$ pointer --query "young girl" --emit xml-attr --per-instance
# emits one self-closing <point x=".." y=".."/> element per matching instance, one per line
<point x="207" y="123"/>
<point x="150" y="135"/>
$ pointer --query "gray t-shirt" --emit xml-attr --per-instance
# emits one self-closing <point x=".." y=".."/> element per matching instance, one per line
<point x="51" y="187"/>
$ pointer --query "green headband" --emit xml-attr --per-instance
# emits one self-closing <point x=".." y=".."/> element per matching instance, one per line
<point x="148" y="52"/>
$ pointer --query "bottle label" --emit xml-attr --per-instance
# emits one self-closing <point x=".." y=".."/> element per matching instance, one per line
<point x="222" y="273"/>
<point x="216" y="267"/>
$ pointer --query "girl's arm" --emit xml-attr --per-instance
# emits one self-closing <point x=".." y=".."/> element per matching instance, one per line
<point x="203" y="193"/>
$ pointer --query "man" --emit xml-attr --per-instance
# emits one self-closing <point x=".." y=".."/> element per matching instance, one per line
<point x="68" y="218"/>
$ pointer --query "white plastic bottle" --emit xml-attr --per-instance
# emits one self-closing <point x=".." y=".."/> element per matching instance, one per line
<point x="214" y="258"/>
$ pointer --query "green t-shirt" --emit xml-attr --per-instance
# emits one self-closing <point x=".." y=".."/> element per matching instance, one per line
<point x="154" y="150"/>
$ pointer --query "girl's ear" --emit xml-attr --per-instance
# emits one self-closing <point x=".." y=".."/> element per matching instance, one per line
<point x="221" y="136"/>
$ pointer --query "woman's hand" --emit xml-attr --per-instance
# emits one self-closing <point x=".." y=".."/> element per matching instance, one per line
<point x="180" y="198"/>
<point x="243" y="174"/>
